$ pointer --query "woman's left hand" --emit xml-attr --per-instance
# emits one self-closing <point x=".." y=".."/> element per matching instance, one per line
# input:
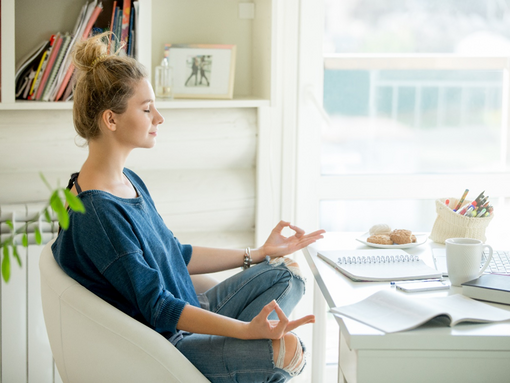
<point x="277" y="245"/>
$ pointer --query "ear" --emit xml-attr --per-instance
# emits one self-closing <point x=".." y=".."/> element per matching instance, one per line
<point x="109" y="120"/>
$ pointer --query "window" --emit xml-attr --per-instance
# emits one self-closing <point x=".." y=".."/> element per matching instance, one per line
<point x="415" y="99"/>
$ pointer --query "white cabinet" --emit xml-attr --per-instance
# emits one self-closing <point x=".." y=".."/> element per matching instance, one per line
<point x="26" y="23"/>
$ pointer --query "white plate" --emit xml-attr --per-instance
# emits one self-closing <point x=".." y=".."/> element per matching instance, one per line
<point x="420" y="240"/>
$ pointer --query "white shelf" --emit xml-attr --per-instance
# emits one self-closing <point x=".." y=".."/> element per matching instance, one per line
<point x="241" y="102"/>
<point x="198" y="21"/>
<point x="35" y="105"/>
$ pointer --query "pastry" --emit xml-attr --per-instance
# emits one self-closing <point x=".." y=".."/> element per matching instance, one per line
<point x="401" y="236"/>
<point x="380" y="239"/>
<point x="380" y="229"/>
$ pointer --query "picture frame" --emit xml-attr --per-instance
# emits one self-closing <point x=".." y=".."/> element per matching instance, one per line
<point x="202" y="70"/>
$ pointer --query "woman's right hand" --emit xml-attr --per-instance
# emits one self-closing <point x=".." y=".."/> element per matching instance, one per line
<point x="263" y="328"/>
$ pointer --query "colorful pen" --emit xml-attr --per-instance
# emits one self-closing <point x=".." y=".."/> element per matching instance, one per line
<point x="477" y="199"/>
<point x="481" y="213"/>
<point x="468" y="210"/>
<point x="461" y="200"/>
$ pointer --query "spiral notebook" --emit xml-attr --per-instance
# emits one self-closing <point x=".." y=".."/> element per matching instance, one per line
<point x="379" y="265"/>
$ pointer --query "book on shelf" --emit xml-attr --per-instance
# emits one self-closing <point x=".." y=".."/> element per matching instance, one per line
<point x="379" y="265"/>
<point x="37" y="73"/>
<point x="392" y="311"/>
<point x="118" y="30"/>
<point x="27" y="70"/>
<point x="134" y="42"/>
<point x="131" y="36"/>
<point x="489" y="287"/>
<point x="46" y="73"/>
<point x="51" y="83"/>
<point x="81" y="21"/>
<point x="42" y="66"/>
<point x="126" y="19"/>
<point x="112" y="24"/>
<point x="92" y="11"/>
<point x="49" y="66"/>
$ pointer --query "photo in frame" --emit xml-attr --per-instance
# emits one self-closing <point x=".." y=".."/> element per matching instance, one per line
<point x="202" y="70"/>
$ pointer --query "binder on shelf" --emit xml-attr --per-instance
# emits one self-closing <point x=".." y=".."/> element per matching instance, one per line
<point x="379" y="265"/>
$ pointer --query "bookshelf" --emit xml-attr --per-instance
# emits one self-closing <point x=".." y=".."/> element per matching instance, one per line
<point x="25" y="23"/>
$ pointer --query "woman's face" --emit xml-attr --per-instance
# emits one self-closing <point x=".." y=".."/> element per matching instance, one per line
<point x="137" y="127"/>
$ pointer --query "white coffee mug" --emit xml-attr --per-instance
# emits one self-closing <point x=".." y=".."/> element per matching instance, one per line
<point x="463" y="259"/>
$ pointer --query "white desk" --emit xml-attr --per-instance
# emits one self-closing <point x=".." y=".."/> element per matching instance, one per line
<point x="431" y="353"/>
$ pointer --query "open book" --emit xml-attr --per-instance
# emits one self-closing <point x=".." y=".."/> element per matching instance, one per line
<point x="379" y="265"/>
<point x="391" y="311"/>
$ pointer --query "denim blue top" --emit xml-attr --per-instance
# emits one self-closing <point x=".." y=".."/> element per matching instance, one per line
<point x="122" y="251"/>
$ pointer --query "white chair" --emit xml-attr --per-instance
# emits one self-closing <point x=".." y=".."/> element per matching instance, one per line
<point x="92" y="341"/>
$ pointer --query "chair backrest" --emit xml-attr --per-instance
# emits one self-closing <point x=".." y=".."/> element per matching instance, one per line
<point x="92" y="341"/>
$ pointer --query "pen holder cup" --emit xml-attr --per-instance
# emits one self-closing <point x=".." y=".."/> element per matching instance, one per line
<point x="450" y="224"/>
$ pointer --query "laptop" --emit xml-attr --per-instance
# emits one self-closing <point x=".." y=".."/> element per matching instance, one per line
<point x="500" y="263"/>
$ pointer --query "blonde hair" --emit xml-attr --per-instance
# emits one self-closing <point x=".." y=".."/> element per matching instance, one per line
<point x="103" y="82"/>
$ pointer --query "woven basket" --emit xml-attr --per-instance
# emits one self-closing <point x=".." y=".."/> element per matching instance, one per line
<point x="450" y="224"/>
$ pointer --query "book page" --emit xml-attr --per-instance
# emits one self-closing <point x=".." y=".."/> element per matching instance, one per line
<point x="391" y="311"/>
<point x="464" y="309"/>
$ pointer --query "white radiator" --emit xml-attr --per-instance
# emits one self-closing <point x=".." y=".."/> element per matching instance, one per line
<point x="25" y="350"/>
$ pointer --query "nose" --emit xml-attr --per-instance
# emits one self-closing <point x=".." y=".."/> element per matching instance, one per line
<point x="158" y="118"/>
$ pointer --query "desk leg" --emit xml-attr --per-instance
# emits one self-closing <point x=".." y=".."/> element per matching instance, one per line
<point x="341" y="377"/>
<point x="319" y="336"/>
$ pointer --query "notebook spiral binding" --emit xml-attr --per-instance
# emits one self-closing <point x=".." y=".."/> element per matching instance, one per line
<point x="378" y="259"/>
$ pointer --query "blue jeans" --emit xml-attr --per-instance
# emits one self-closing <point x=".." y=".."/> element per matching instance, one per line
<point x="224" y="359"/>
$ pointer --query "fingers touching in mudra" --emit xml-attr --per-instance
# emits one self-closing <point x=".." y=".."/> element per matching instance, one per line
<point x="263" y="328"/>
<point x="277" y="245"/>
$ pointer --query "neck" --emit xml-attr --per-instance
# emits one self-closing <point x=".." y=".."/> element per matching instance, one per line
<point x="105" y="160"/>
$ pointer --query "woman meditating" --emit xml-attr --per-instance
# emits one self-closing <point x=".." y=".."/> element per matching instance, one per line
<point x="121" y="249"/>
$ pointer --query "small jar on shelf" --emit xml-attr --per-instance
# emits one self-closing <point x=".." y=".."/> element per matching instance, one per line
<point x="164" y="80"/>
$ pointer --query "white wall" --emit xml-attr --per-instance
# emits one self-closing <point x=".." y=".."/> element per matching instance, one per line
<point x="201" y="173"/>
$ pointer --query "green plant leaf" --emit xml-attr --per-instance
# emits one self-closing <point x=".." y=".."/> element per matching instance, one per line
<point x="10" y="224"/>
<point x="24" y="240"/>
<point x="16" y="255"/>
<point x="47" y="215"/>
<point x="6" y="265"/>
<point x="45" y="181"/>
<point x="74" y="202"/>
<point x="59" y="208"/>
<point x="38" y="235"/>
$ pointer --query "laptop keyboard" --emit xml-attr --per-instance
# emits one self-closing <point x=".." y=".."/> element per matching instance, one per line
<point x="500" y="262"/>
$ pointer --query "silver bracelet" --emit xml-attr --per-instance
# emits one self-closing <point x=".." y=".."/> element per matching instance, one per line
<point x="247" y="259"/>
